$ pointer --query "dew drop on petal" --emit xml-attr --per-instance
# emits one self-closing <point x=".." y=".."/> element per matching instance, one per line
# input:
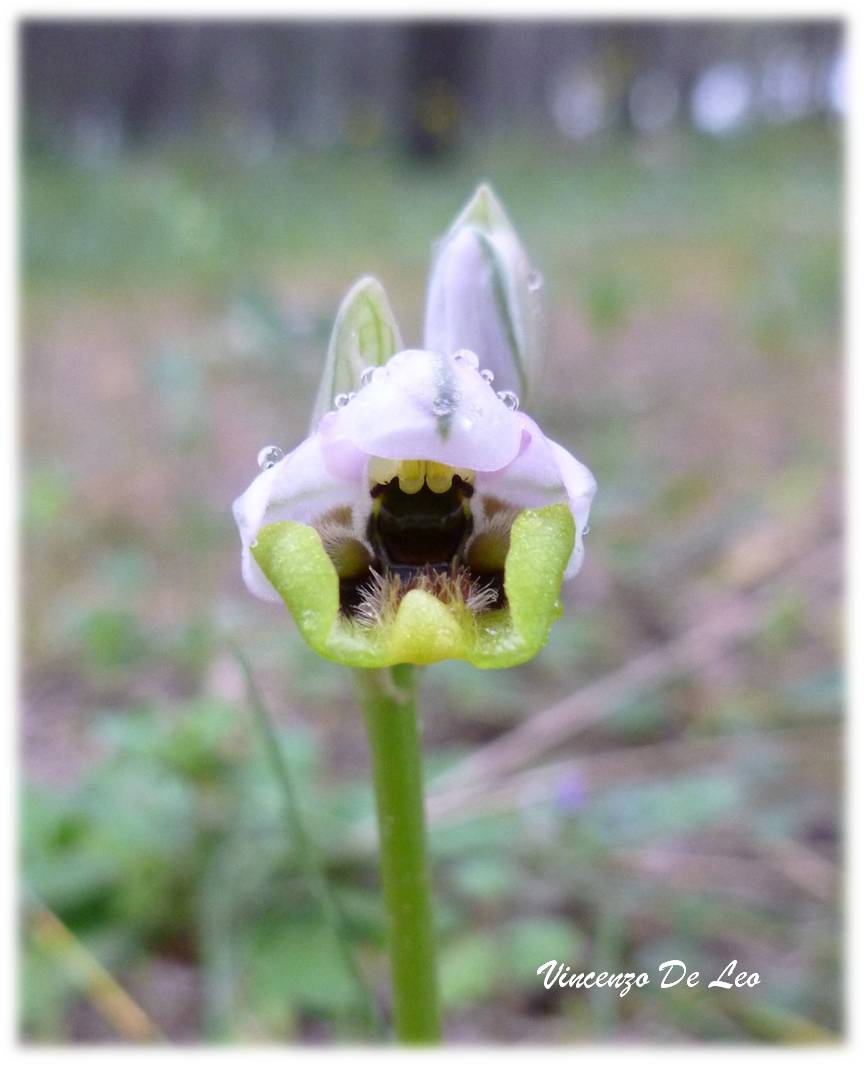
<point x="341" y="400"/>
<point x="509" y="399"/>
<point x="535" y="281"/>
<point x="254" y="543"/>
<point x="442" y="406"/>
<point x="269" y="456"/>
<point x="367" y="375"/>
<point x="468" y="357"/>
<point x="487" y="376"/>
<point x="586" y="530"/>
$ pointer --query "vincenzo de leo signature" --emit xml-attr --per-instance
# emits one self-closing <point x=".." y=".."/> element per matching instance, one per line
<point x="672" y="973"/>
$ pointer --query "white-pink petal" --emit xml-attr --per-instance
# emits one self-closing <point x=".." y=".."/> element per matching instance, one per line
<point x="580" y="485"/>
<point x="425" y="405"/>
<point x="544" y="473"/>
<point x="463" y="308"/>
<point x="302" y="487"/>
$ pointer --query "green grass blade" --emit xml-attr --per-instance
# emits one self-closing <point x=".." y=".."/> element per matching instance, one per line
<point x="308" y="855"/>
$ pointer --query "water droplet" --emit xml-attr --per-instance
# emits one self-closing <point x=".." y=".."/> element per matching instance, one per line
<point x="586" y="530"/>
<point x="443" y="406"/>
<point x="535" y="281"/>
<point x="487" y="376"/>
<point x="468" y="357"/>
<point x="254" y="543"/>
<point x="367" y="375"/>
<point x="509" y="399"/>
<point x="341" y="400"/>
<point x="269" y="456"/>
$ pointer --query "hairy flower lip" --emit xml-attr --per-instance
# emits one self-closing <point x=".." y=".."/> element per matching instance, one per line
<point x="424" y="629"/>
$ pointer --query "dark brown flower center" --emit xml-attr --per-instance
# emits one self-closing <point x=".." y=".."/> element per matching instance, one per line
<point x="421" y="534"/>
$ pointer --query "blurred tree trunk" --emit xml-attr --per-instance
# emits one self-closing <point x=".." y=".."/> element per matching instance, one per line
<point x="101" y="82"/>
<point x="436" y="83"/>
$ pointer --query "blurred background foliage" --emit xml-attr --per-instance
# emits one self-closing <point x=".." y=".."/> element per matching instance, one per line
<point x="196" y="200"/>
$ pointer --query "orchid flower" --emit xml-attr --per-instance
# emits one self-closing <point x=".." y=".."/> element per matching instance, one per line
<point x="425" y="517"/>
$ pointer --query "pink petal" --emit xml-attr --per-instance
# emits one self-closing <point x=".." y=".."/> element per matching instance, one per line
<point x="464" y="309"/>
<point x="302" y="487"/>
<point x="581" y="486"/>
<point x="425" y="405"/>
<point x="544" y="473"/>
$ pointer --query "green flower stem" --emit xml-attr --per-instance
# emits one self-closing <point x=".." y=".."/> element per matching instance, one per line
<point x="389" y="702"/>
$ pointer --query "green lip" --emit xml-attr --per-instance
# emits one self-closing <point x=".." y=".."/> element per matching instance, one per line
<point x="424" y="630"/>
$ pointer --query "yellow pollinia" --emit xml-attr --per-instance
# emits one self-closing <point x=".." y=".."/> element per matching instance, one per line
<point x="414" y="473"/>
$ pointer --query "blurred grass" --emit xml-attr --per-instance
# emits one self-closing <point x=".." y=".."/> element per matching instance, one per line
<point x="193" y="216"/>
<point x="176" y="307"/>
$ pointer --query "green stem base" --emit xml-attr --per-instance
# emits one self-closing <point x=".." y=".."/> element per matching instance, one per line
<point x="389" y="703"/>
